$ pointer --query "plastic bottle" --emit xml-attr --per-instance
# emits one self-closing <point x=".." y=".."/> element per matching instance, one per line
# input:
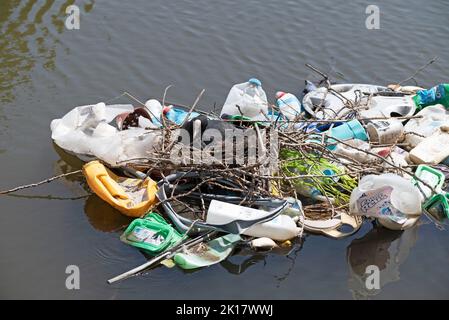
<point x="436" y="95"/>
<point x="247" y="99"/>
<point x="348" y="151"/>
<point x="288" y="104"/>
<point x="154" y="108"/>
<point x="386" y="196"/>
<point x="433" y="149"/>
<point x="280" y="228"/>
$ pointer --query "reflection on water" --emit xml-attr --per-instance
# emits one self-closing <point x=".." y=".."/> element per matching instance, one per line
<point x="244" y="258"/>
<point x="103" y="217"/>
<point x="383" y="248"/>
<point x="26" y="41"/>
<point x="69" y="163"/>
<point x="100" y="214"/>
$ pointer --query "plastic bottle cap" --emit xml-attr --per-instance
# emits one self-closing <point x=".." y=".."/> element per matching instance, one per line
<point x="279" y="94"/>
<point x="255" y="82"/>
<point x="166" y="109"/>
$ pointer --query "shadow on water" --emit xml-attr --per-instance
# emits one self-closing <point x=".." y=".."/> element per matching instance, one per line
<point x="103" y="217"/>
<point x="243" y="259"/>
<point x="381" y="247"/>
<point x="26" y="42"/>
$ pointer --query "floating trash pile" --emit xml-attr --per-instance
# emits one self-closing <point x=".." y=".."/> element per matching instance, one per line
<point x="260" y="175"/>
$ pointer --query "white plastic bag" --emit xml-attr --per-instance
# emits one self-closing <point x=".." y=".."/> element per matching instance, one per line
<point x="247" y="99"/>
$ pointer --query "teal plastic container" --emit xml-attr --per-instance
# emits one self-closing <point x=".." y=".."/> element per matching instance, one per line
<point x="349" y="130"/>
<point x="438" y="206"/>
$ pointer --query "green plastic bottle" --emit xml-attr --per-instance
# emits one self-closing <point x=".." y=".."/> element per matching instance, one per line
<point x="436" y="95"/>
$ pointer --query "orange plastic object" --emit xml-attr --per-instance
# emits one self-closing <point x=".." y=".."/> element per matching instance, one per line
<point x="117" y="191"/>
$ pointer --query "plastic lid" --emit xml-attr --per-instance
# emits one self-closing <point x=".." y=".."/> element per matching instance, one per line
<point x="255" y="82"/>
<point x="279" y="94"/>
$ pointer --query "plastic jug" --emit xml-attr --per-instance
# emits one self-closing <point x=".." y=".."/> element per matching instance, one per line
<point x="385" y="196"/>
<point x="436" y="95"/>
<point x="288" y="104"/>
<point x="431" y="118"/>
<point x="389" y="106"/>
<point x="432" y="150"/>
<point x="247" y="99"/>
<point x="280" y="228"/>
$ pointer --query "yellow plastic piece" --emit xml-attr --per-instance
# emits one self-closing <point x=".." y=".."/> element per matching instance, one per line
<point x="286" y="244"/>
<point x="112" y="189"/>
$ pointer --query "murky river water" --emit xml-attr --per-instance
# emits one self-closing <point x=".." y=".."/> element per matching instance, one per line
<point x="142" y="46"/>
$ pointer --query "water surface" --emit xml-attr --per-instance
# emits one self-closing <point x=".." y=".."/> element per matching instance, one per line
<point x="141" y="47"/>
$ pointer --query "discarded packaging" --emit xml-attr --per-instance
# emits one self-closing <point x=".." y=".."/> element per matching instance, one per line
<point x="386" y="196"/>
<point x="132" y="197"/>
<point x="206" y="254"/>
<point x="432" y="150"/>
<point x="246" y="99"/>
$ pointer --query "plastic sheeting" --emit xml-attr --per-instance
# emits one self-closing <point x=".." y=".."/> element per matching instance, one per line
<point x="90" y="132"/>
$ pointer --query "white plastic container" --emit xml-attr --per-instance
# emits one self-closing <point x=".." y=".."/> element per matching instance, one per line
<point x="385" y="132"/>
<point x="433" y="117"/>
<point x="432" y="150"/>
<point x="386" y="196"/>
<point x="263" y="244"/>
<point x="288" y="105"/>
<point x="385" y="106"/>
<point x="154" y="108"/>
<point x="348" y="150"/>
<point x="247" y="99"/>
<point x="280" y="228"/>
